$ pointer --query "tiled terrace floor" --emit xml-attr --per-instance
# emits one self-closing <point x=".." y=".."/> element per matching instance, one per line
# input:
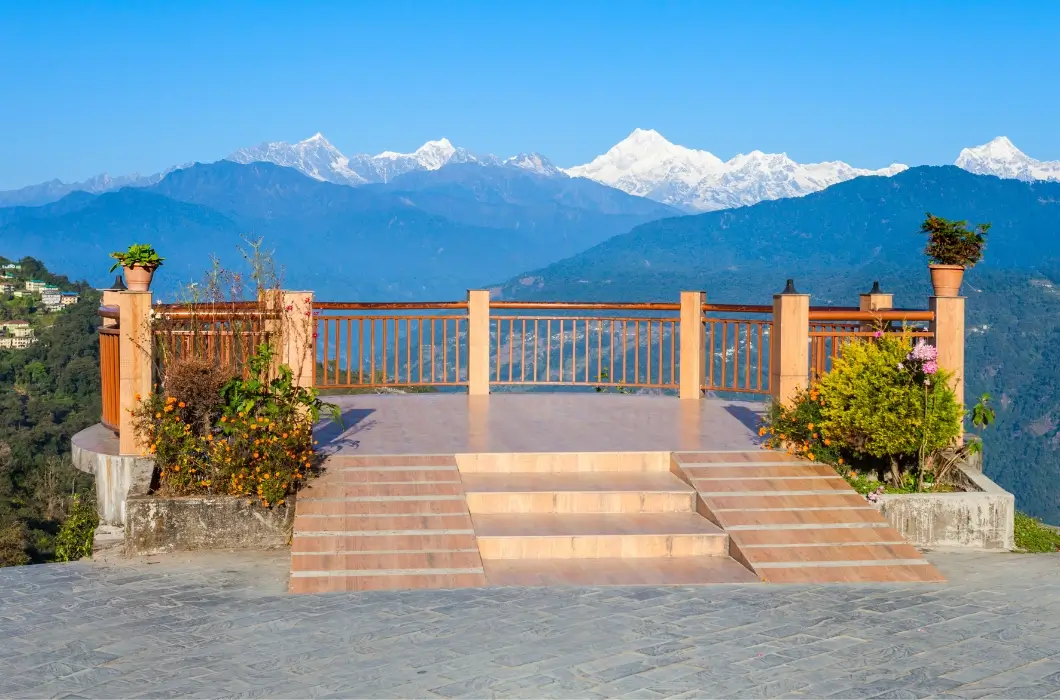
<point x="457" y="423"/>
<point x="219" y="626"/>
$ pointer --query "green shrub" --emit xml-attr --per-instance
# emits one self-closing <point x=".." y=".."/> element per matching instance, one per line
<point x="952" y="242"/>
<point x="1033" y="536"/>
<point x="13" y="545"/>
<point x="796" y="427"/>
<point x="74" y="540"/>
<point x="883" y="399"/>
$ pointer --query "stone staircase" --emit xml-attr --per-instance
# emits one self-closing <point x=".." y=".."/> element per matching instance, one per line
<point x="384" y="523"/>
<point x="793" y="521"/>
<point x="591" y="519"/>
<point x="605" y="518"/>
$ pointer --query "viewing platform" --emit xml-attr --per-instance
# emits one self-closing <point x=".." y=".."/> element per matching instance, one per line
<point x="492" y="443"/>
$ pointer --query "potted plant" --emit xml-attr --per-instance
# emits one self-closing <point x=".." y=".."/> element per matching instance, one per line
<point x="140" y="262"/>
<point x="952" y="247"/>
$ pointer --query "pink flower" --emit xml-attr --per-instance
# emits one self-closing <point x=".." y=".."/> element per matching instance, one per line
<point x="931" y="366"/>
<point x="314" y="335"/>
<point x="877" y="334"/>
<point x="289" y="307"/>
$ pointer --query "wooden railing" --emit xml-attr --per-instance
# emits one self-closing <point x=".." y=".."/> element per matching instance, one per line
<point x="737" y="347"/>
<point x="226" y="333"/>
<point x="109" y="366"/>
<point x="378" y="345"/>
<point x="831" y="329"/>
<point x="584" y="344"/>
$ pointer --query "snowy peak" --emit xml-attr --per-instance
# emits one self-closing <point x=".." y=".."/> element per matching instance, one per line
<point x="1000" y="157"/>
<point x="315" y="157"/>
<point x="645" y="163"/>
<point x="535" y="163"/>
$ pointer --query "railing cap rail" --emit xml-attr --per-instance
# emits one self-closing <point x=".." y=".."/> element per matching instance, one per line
<point x="587" y="305"/>
<point x="110" y="311"/>
<point x="387" y="305"/>
<point x="889" y="315"/>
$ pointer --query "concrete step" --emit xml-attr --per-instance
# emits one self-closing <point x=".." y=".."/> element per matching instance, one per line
<point x="578" y="492"/>
<point x="564" y="462"/>
<point x="627" y="535"/>
<point x="642" y="571"/>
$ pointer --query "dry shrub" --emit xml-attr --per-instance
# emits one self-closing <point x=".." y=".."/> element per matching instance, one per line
<point x="196" y="382"/>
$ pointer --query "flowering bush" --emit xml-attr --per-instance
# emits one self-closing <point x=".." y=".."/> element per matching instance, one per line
<point x="254" y="437"/>
<point x="884" y="402"/>
<point x="796" y="427"/>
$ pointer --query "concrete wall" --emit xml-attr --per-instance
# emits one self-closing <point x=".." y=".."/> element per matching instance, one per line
<point x="155" y="525"/>
<point x="979" y="518"/>
<point x="95" y="450"/>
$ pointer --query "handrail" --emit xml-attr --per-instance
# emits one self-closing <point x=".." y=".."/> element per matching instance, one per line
<point x="586" y="306"/>
<point x="109" y="330"/>
<point x="738" y="308"/>
<point x="197" y="315"/>
<point x="110" y="312"/>
<point x="387" y="305"/>
<point x="889" y="315"/>
<point x="184" y="305"/>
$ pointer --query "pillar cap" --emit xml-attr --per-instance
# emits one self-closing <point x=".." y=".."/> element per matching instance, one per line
<point x="789" y="288"/>
<point x="118" y="286"/>
<point x="876" y="288"/>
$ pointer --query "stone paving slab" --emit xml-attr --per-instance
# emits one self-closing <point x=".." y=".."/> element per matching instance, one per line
<point x="221" y="625"/>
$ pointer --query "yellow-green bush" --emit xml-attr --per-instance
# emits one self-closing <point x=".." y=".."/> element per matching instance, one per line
<point x="888" y="399"/>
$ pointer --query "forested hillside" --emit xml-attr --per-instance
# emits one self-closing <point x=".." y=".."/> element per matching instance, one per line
<point x="48" y="392"/>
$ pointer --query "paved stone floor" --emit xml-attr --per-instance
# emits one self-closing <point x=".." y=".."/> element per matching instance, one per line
<point x="220" y="626"/>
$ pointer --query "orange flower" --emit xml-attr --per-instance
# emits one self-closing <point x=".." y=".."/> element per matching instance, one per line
<point x="181" y="404"/>
<point x="158" y="415"/>
<point x="810" y="455"/>
<point x="840" y="460"/>
<point x="827" y="441"/>
<point x="810" y="426"/>
<point x="223" y="419"/>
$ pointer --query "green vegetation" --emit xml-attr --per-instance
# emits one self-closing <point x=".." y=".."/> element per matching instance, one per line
<point x="138" y="255"/>
<point x="75" y="536"/>
<point x="952" y="242"/>
<point x="48" y="392"/>
<point x="1032" y="536"/>
<point x="885" y="402"/>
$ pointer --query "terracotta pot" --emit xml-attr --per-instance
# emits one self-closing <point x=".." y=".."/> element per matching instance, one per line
<point x="946" y="279"/>
<point x="138" y="279"/>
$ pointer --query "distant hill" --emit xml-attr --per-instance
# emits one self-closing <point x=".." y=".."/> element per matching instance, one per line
<point x="382" y="242"/>
<point x="850" y="233"/>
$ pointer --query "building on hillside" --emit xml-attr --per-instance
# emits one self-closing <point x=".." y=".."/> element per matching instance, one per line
<point x="52" y="298"/>
<point x="7" y="276"/>
<point x="18" y="329"/>
<point x="16" y="343"/>
<point x="19" y="293"/>
<point x="35" y="285"/>
<point x="69" y="298"/>
<point x="6" y="288"/>
<point x="12" y="266"/>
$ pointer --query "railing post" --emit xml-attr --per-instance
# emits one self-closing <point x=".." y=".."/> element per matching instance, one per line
<point x="135" y="353"/>
<point x="790" y="344"/>
<point x="874" y="300"/>
<point x="693" y="343"/>
<point x="110" y="298"/>
<point x="478" y="342"/>
<point x="298" y="333"/>
<point x="948" y="333"/>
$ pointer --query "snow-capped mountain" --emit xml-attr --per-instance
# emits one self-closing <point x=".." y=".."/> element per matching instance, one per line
<point x="1000" y="157"/>
<point x="646" y="164"/>
<point x="535" y="163"/>
<point x="45" y="192"/>
<point x="318" y="158"/>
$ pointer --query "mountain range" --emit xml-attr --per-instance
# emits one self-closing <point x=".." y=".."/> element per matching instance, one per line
<point x="644" y="164"/>
<point x="426" y="234"/>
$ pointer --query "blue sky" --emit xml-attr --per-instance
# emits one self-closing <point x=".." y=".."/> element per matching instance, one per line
<point x="137" y="86"/>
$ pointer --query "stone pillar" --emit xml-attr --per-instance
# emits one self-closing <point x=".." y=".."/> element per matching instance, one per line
<point x="948" y="330"/>
<point x="789" y="344"/>
<point x="874" y="300"/>
<point x="135" y="352"/>
<point x="693" y="345"/>
<point x="298" y="336"/>
<point x="478" y="342"/>
<point x="110" y="298"/>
